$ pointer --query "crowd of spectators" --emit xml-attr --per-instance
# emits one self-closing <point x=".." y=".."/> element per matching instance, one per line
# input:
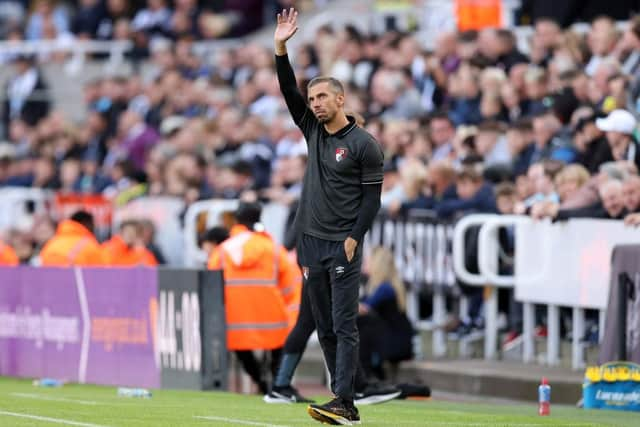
<point x="474" y="125"/>
<point x="141" y="21"/>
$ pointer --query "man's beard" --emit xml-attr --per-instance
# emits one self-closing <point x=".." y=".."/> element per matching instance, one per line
<point x="326" y="118"/>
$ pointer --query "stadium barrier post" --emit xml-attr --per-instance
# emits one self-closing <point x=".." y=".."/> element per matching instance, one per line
<point x="528" y="325"/>
<point x="577" y="347"/>
<point x="553" y="337"/>
<point x="491" y="325"/>
<point x="439" y="317"/>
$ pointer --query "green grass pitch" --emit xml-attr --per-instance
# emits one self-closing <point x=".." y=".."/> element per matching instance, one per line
<point x="22" y="404"/>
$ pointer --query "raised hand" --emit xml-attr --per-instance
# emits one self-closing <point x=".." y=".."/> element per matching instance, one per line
<point x="287" y="26"/>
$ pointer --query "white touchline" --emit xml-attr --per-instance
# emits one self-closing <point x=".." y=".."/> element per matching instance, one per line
<point x="54" y="399"/>
<point x="48" y="419"/>
<point x="233" y="420"/>
<point x="487" y="424"/>
<point x="86" y="326"/>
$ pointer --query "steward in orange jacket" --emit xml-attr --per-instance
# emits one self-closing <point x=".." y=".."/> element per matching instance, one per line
<point x="126" y="248"/>
<point x="262" y="287"/>
<point x="73" y="244"/>
<point x="8" y="256"/>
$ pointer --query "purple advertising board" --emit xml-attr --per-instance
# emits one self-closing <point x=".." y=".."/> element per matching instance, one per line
<point x="92" y="325"/>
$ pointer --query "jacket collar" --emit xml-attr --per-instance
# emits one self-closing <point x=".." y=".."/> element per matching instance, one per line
<point x="237" y="229"/>
<point x="345" y="130"/>
<point x="71" y="227"/>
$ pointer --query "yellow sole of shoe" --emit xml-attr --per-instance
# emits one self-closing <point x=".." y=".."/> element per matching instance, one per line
<point x="318" y="417"/>
<point x="327" y="417"/>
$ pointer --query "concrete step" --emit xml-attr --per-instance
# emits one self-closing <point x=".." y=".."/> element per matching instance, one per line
<point x="507" y="378"/>
<point x="500" y="379"/>
<point x="480" y="378"/>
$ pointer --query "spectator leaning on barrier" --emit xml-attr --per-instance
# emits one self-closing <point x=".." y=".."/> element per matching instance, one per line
<point x="611" y="205"/>
<point x="541" y="176"/>
<point x="262" y="287"/>
<point x="569" y="181"/>
<point x="73" y="244"/>
<point x="126" y="247"/>
<point x="474" y="195"/>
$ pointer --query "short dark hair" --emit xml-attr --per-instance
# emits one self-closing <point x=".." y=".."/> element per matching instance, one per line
<point x="491" y="126"/>
<point x="469" y="173"/>
<point x="505" y="189"/>
<point x="547" y="19"/>
<point x="468" y="36"/>
<point x="242" y="167"/>
<point x="214" y="235"/>
<point x="506" y="36"/>
<point x="248" y="213"/>
<point x="439" y="115"/>
<point x="334" y="84"/>
<point x="84" y="218"/>
<point x="522" y="125"/>
<point x="570" y="75"/>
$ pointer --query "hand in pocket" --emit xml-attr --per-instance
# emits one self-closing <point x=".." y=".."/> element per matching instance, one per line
<point x="350" y="246"/>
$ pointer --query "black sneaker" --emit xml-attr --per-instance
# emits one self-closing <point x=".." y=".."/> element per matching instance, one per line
<point x="287" y="394"/>
<point x="376" y="393"/>
<point x="337" y="412"/>
<point x="419" y="391"/>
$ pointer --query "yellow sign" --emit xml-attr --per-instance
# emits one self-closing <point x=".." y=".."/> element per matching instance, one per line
<point x="613" y="371"/>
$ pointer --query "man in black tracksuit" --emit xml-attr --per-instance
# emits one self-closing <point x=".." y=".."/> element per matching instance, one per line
<point x="340" y="199"/>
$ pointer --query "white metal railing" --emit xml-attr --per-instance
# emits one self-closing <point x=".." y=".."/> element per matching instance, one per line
<point x="421" y="248"/>
<point x="48" y="46"/>
<point x="556" y="265"/>
<point x="80" y="50"/>
<point x="18" y="205"/>
<point x="488" y="266"/>
<point x="274" y="217"/>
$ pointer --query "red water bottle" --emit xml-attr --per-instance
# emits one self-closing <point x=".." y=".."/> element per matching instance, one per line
<point x="544" y="397"/>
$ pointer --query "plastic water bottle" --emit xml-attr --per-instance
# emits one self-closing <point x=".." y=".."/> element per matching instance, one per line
<point x="47" y="382"/>
<point x="134" y="392"/>
<point x="544" y="398"/>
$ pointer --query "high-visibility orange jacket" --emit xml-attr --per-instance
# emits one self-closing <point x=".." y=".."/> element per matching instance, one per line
<point x="478" y="14"/>
<point x="262" y="289"/>
<point x="73" y="244"/>
<point x="117" y="252"/>
<point x="8" y="256"/>
<point x="293" y="307"/>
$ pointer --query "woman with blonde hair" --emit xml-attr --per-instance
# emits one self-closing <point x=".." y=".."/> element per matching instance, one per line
<point x="384" y="279"/>
<point x="385" y="331"/>
<point x="569" y="180"/>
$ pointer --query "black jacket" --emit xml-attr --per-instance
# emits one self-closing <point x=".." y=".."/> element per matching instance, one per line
<point x="35" y="107"/>
<point x="597" y="153"/>
<point x="594" y="211"/>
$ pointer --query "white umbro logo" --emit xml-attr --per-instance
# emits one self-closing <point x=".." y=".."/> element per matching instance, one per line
<point x="339" y="269"/>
